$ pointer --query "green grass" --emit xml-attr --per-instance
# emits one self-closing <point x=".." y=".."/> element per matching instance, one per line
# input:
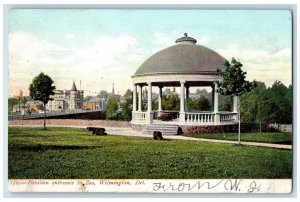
<point x="74" y="153"/>
<point x="276" y="137"/>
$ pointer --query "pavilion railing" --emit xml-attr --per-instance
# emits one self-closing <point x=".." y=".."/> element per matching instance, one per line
<point x="228" y="116"/>
<point x="190" y="118"/>
<point x="199" y="117"/>
<point x="139" y="116"/>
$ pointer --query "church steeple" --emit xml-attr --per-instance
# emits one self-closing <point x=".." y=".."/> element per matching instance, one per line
<point x="113" y="89"/>
<point x="73" y="87"/>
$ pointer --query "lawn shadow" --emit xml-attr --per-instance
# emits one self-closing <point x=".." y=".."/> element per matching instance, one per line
<point x="42" y="148"/>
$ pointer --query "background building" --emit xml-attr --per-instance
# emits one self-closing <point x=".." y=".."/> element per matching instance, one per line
<point x="92" y="104"/>
<point x="66" y="99"/>
<point x="35" y="105"/>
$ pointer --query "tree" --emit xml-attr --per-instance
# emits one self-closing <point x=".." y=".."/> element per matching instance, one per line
<point x="233" y="82"/>
<point x="265" y="107"/>
<point x="202" y="92"/>
<point x="252" y="102"/>
<point x="171" y="102"/>
<point x="112" y="108"/>
<point x="167" y="92"/>
<point x="282" y="99"/>
<point x="41" y="89"/>
<point x="11" y="102"/>
<point x="198" y="104"/>
<point x="126" y="105"/>
<point x="226" y="103"/>
<point x="87" y="98"/>
<point x="103" y="94"/>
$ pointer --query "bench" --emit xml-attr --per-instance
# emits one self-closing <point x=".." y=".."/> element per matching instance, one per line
<point x="97" y="131"/>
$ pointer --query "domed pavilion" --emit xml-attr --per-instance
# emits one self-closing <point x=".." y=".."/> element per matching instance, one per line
<point x="185" y="64"/>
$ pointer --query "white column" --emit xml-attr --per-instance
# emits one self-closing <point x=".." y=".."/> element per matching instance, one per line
<point x="235" y="108"/>
<point x="150" y="113"/>
<point x="235" y="104"/>
<point x="216" y="105"/>
<point x="182" y="96"/>
<point x="160" y="99"/>
<point x="140" y="98"/>
<point x="134" y="98"/>
<point x="187" y="97"/>
<point x="182" y="113"/>
<point x="149" y="97"/>
<point x="212" y="98"/>
<point x="216" y="99"/>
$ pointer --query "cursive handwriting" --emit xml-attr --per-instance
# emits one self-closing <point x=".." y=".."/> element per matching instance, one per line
<point x="159" y="186"/>
<point x="254" y="187"/>
<point x="232" y="185"/>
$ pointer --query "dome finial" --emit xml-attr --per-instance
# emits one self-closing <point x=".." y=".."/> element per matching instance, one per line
<point x="186" y="40"/>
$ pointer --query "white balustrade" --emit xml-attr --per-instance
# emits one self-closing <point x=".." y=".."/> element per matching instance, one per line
<point x="199" y="117"/>
<point x="139" y="116"/>
<point x="209" y="117"/>
<point x="228" y="117"/>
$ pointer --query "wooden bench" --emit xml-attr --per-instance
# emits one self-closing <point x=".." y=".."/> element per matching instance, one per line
<point x="97" y="131"/>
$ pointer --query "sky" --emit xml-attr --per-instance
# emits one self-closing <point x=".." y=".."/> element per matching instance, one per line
<point x="99" y="47"/>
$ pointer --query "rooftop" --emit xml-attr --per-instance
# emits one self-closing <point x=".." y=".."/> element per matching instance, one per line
<point x="185" y="57"/>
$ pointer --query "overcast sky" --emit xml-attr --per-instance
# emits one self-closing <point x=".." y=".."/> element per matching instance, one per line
<point x="99" y="47"/>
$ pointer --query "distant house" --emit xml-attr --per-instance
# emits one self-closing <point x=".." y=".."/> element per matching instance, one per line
<point x="88" y="105"/>
<point x="35" y="105"/>
<point x="19" y="108"/>
<point x="92" y="104"/>
<point x="66" y="99"/>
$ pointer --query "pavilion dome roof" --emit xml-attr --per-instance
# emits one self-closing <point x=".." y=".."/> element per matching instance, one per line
<point x="185" y="57"/>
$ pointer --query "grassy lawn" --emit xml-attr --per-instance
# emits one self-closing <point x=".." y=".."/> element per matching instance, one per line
<point x="74" y="153"/>
<point x="276" y="137"/>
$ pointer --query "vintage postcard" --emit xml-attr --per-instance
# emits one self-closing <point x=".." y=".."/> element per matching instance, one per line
<point x="150" y="100"/>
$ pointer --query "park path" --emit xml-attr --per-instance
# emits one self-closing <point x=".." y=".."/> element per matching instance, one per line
<point x="131" y="133"/>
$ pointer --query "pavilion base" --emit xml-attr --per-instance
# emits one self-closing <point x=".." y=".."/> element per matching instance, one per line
<point x="194" y="129"/>
<point x="209" y="129"/>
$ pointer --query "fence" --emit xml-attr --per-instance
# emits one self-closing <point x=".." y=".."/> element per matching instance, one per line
<point x="265" y="127"/>
<point x="59" y="114"/>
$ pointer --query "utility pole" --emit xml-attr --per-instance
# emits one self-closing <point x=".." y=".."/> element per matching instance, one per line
<point x="19" y="105"/>
<point x="239" y="114"/>
<point x="20" y="97"/>
<point x="24" y="100"/>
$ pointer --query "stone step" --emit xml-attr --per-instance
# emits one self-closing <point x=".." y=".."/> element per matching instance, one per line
<point x="164" y="129"/>
<point x="161" y="129"/>
<point x="161" y="126"/>
<point x="164" y="134"/>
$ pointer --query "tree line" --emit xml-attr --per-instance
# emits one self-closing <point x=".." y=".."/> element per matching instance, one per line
<point x="264" y="104"/>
